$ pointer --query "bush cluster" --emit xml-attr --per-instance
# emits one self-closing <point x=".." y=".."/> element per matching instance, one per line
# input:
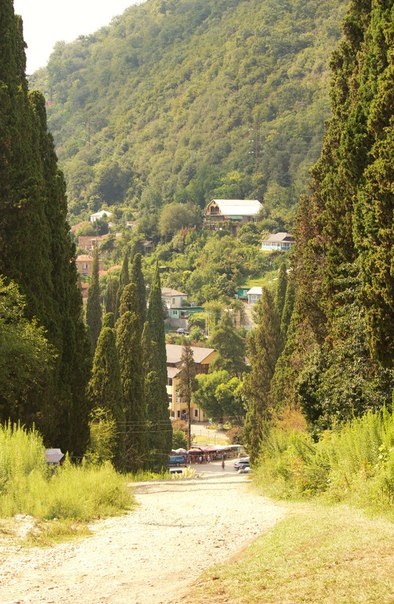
<point x="352" y="464"/>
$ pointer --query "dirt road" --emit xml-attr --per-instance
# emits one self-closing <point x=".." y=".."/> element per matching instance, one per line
<point x="149" y="556"/>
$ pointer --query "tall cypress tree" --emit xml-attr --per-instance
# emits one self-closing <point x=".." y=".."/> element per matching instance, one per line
<point x="93" y="306"/>
<point x="263" y="350"/>
<point x="160" y="430"/>
<point x="105" y="386"/>
<point x="124" y="279"/>
<point x="128" y="342"/>
<point x="137" y="278"/>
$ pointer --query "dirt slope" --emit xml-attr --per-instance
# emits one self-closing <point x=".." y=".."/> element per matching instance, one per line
<point x="149" y="556"/>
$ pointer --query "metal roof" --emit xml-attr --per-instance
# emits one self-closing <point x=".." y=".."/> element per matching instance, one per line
<point x="237" y="207"/>
<point x="174" y="353"/>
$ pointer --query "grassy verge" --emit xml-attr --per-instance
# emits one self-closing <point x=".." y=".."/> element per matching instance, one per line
<point x="47" y="505"/>
<point x="317" y="554"/>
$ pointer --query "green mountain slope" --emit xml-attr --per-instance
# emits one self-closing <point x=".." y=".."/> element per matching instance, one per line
<point x="189" y="99"/>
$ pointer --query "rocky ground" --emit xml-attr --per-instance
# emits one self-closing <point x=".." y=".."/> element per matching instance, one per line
<point x="149" y="556"/>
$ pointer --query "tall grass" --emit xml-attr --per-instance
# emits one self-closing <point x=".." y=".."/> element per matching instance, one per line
<point x="29" y="486"/>
<point x="353" y="464"/>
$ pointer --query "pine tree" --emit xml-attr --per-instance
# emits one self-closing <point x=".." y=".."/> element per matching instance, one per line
<point x="262" y="350"/>
<point x="105" y="387"/>
<point x="93" y="306"/>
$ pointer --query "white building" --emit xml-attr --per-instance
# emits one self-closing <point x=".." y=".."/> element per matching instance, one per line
<point x="280" y="242"/>
<point x="100" y="215"/>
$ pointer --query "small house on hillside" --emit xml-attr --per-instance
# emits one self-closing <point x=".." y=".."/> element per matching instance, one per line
<point x="231" y="213"/>
<point x="100" y="215"/>
<point x="84" y="264"/>
<point x="203" y="357"/>
<point x="281" y="242"/>
<point x="172" y="298"/>
<point x="254" y="294"/>
<point x="89" y="242"/>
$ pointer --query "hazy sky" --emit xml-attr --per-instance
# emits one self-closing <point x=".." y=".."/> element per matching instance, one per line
<point x="45" y="22"/>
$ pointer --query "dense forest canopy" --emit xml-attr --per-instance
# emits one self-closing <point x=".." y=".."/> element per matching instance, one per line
<point x="184" y="100"/>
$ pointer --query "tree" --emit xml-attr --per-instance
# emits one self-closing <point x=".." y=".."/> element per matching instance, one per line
<point x="263" y="349"/>
<point x="155" y="359"/>
<point x="219" y="395"/>
<point x="93" y="307"/>
<point x="137" y="278"/>
<point x="111" y="295"/>
<point x="175" y="216"/>
<point x="344" y="236"/>
<point x="230" y="346"/>
<point x="26" y="360"/>
<point x="124" y="280"/>
<point x="105" y="388"/>
<point x="128" y="345"/>
<point x="187" y="381"/>
<point x="35" y="245"/>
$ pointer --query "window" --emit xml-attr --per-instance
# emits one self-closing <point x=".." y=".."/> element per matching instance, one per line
<point x="195" y="412"/>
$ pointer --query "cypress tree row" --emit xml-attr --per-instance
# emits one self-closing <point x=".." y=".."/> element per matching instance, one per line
<point x="345" y="237"/>
<point x="35" y="245"/>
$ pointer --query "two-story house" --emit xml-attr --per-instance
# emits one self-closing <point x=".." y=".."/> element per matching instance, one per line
<point x="203" y="357"/>
<point x="231" y="213"/>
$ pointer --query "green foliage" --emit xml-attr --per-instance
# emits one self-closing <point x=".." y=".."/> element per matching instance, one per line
<point x="344" y="236"/>
<point x="175" y="216"/>
<point x="28" y="487"/>
<point x="105" y="393"/>
<point x="230" y="346"/>
<point x="128" y="344"/>
<point x="93" y="306"/>
<point x="155" y="365"/>
<point x="234" y="104"/>
<point x="35" y="245"/>
<point x="103" y="436"/>
<point x="179" y="440"/>
<point x="352" y="464"/>
<point x="263" y="347"/>
<point x="220" y="396"/>
<point x="26" y="359"/>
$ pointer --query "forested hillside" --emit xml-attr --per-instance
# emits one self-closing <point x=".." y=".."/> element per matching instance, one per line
<point x="188" y="99"/>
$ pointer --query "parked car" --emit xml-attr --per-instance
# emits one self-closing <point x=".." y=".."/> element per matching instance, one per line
<point x="183" y="331"/>
<point x="244" y="470"/>
<point x="242" y="462"/>
<point x="176" y="461"/>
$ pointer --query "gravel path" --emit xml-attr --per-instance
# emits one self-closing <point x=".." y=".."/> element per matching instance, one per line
<point x="149" y="556"/>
